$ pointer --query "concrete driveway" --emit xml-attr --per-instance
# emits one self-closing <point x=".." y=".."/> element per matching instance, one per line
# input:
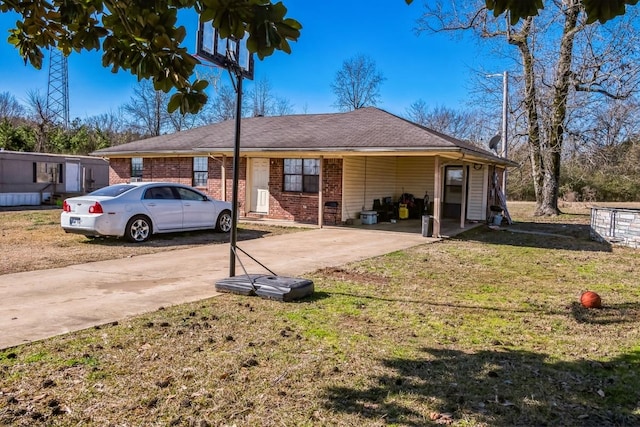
<point x="40" y="304"/>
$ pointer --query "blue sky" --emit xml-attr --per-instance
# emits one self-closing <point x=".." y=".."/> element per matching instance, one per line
<point x="433" y="68"/>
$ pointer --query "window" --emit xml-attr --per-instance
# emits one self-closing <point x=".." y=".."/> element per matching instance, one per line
<point x="113" y="190"/>
<point x="453" y="184"/>
<point x="301" y="175"/>
<point x="159" y="193"/>
<point x="200" y="171"/>
<point x="47" y="172"/>
<point x="187" y="194"/>
<point x="136" y="169"/>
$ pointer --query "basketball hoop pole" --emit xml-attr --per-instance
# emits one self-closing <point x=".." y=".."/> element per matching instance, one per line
<point x="231" y="54"/>
<point x="236" y="177"/>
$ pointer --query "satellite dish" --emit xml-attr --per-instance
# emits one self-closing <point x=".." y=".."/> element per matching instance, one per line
<point x="493" y="142"/>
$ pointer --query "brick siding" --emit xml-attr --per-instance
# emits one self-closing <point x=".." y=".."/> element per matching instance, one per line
<point x="300" y="207"/>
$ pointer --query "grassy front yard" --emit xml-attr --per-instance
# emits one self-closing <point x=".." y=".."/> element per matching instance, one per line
<point x="482" y="330"/>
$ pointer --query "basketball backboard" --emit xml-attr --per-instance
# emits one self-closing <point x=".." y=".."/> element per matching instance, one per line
<point x="229" y="53"/>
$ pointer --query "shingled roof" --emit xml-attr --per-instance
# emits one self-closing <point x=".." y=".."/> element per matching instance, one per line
<point x="362" y="130"/>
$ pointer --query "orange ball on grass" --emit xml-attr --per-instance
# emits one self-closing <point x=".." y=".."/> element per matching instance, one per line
<point x="590" y="299"/>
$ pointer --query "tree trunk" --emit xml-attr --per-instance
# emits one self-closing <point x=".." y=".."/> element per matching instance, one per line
<point x="545" y="153"/>
<point x="553" y="147"/>
<point x="521" y="41"/>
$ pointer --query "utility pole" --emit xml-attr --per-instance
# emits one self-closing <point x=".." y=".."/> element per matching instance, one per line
<point x="505" y="116"/>
<point x="505" y="124"/>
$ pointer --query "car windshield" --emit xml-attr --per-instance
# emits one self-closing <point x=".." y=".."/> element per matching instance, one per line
<point x="113" y="190"/>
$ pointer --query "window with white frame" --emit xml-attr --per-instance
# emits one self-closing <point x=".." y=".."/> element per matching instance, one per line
<point x="136" y="169"/>
<point x="200" y="171"/>
<point x="302" y="175"/>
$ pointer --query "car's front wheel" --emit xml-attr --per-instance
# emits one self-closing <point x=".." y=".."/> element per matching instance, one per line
<point x="138" y="229"/>
<point x="224" y="222"/>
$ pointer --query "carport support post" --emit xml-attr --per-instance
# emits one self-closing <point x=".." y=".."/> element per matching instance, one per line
<point x="437" y="195"/>
<point x="321" y="195"/>
<point x="236" y="177"/>
<point x="463" y="205"/>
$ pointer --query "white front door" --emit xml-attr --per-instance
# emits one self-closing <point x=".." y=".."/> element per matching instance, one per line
<point x="71" y="177"/>
<point x="260" y="185"/>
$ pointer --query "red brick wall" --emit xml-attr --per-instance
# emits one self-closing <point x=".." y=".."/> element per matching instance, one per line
<point x="119" y="171"/>
<point x="171" y="169"/>
<point x="301" y="207"/>
<point x="332" y="188"/>
<point x="242" y="178"/>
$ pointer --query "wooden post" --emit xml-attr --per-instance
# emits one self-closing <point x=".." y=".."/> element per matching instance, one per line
<point x="463" y="201"/>
<point x="321" y="194"/>
<point x="437" y="195"/>
<point x="223" y="179"/>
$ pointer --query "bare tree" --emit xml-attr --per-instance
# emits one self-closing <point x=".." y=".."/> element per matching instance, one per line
<point x="282" y="107"/>
<point x="110" y="123"/>
<point x="560" y="56"/>
<point x="465" y="125"/>
<point x="112" y="127"/>
<point x="177" y="121"/>
<point x="223" y="104"/>
<point x="260" y="98"/>
<point x="357" y="84"/>
<point x="37" y="105"/>
<point x="10" y="108"/>
<point x="262" y="101"/>
<point x="418" y="112"/>
<point x="147" y="109"/>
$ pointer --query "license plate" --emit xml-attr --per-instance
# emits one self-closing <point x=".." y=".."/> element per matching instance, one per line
<point x="74" y="221"/>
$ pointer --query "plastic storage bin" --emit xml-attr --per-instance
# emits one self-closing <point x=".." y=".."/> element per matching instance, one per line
<point x="369" y="217"/>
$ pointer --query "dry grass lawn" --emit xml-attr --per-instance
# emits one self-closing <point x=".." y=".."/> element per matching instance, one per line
<point x="481" y="330"/>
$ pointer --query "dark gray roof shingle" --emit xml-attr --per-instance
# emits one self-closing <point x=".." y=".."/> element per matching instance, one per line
<point x="362" y="130"/>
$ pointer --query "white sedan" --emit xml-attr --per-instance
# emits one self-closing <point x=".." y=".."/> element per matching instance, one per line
<point x="140" y="209"/>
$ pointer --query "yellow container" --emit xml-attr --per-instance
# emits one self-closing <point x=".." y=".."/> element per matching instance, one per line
<point x="403" y="212"/>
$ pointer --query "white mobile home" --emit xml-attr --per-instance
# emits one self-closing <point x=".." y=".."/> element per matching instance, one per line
<point x="37" y="178"/>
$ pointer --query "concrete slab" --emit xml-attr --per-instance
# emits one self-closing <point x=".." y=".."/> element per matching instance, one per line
<point x="40" y="304"/>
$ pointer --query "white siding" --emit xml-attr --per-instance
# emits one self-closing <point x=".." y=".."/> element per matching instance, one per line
<point x="366" y="179"/>
<point x="352" y="187"/>
<point x="476" y="200"/>
<point x="415" y="176"/>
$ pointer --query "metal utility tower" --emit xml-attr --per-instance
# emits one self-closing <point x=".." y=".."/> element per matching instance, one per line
<point x="58" y="88"/>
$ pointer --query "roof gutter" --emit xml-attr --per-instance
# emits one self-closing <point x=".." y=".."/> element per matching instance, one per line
<point x="140" y="153"/>
<point x="465" y="152"/>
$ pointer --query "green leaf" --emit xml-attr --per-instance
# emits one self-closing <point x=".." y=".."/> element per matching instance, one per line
<point x="174" y="102"/>
<point x="200" y="85"/>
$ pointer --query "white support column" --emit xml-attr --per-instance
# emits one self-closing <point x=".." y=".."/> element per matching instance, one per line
<point x="223" y="178"/>
<point x="320" y="194"/>
<point x="463" y="201"/>
<point x="437" y="195"/>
